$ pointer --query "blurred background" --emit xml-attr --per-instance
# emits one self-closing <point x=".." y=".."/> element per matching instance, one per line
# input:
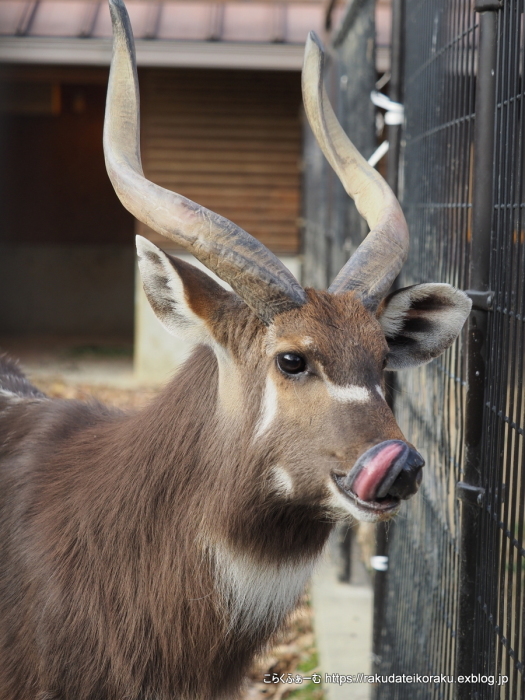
<point x="437" y="83"/>
<point x="222" y="124"/>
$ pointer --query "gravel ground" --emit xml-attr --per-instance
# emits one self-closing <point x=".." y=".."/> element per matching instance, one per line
<point x="294" y="650"/>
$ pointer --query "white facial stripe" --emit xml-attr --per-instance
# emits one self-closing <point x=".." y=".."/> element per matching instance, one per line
<point x="380" y="391"/>
<point x="256" y="592"/>
<point x="282" y="481"/>
<point x="348" y="394"/>
<point x="268" y="408"/>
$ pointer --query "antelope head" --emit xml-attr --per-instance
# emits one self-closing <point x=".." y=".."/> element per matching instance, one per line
<point x="300" y="371"/>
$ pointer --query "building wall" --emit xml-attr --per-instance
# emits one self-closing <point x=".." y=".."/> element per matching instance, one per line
<point x="66" y="243"/>
<point x="230" y="140"/>
<point x="66" y="290"/>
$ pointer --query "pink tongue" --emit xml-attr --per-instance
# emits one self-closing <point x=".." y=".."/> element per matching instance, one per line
<point x="372" y="474"/>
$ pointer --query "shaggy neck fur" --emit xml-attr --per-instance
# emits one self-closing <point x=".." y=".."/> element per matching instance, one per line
<point x="150" y="546"/>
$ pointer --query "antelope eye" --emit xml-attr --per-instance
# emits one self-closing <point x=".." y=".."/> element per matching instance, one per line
<point x="290" y="363"/>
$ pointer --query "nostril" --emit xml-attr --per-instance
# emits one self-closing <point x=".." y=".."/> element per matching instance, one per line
<point x="409" y="478"/>
<point x="414" y="459"/>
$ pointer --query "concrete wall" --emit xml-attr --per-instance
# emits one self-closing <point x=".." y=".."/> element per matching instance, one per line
<point x="67" y="289"/>
<point x="157" y="353"/>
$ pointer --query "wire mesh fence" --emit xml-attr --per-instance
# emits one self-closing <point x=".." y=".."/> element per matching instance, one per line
<point x="463" y="609"/>
<point x="418" y="633"/>
<point x="500" y="586"/>
<point x="453" y="601"/>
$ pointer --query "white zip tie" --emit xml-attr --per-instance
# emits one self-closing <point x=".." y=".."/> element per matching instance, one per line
<point x="379" y="563"/>
<point x="379" y="153"/>
<point x="395" y="111"/>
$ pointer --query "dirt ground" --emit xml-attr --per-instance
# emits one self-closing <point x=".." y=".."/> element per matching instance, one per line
<point x="294" y="652"/>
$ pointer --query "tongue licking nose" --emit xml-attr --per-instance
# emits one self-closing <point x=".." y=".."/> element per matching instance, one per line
<point x="390" y="469"/>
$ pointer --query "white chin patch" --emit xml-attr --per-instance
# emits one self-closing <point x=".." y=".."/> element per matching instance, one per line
<point x="343" y="505"/>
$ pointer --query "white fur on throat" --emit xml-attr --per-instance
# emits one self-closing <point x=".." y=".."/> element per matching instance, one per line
<point x="258" y="593"/>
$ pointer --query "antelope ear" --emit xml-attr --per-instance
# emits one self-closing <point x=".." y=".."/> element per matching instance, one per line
<point x="183" y="298"/>
<point x="422" y="321"/>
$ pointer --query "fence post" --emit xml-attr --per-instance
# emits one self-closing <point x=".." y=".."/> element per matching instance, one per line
<point x="469" y="490"/>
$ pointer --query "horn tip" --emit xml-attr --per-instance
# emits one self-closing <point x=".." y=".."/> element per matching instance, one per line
<point x="313" y="39"/>
<point x="117" y="8"/>
<point x="313" y="57"/>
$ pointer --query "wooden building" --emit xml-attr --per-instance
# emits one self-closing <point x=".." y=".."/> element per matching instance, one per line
<point x="221" y="124"/>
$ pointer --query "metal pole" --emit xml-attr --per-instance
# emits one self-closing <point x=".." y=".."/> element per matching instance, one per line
<point x="469" y="490"/>
<point x="395" y="90"/>
<point x="384" y="531"/>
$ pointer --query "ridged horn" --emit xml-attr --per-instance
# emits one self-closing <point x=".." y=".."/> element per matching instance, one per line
<point x="255" y="273"/>
<point x="377" y="261"/>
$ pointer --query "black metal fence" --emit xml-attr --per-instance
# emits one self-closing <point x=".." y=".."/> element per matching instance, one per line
<point x="332" y="225"/>
<point x="452" y="601"/>
<point x="419" y="629"/>
<point x="499" y="616"/>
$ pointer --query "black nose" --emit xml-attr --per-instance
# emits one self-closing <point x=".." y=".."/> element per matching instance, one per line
<point x="409" y="478"/>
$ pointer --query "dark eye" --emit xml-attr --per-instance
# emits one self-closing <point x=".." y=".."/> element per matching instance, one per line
<point x="290" y="363"/>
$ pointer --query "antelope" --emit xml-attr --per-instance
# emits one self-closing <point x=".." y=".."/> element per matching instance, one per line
<point x="152" y="555"/>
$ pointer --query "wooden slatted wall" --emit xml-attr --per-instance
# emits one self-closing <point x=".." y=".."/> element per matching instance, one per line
<point x="229" y="140"/>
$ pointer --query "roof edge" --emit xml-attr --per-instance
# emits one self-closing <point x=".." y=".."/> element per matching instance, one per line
<point x="158" y="54"/>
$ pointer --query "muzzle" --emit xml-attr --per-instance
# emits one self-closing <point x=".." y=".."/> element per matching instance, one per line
<point x="386" y="473"/>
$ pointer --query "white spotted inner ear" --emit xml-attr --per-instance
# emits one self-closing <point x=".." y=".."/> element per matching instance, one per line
<point x="166" y="294"/>
<point x="421" y="322"/>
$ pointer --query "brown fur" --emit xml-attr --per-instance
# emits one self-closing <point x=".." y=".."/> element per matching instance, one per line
<point x="109" y="521"/>
<point x="104" y="590"/>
